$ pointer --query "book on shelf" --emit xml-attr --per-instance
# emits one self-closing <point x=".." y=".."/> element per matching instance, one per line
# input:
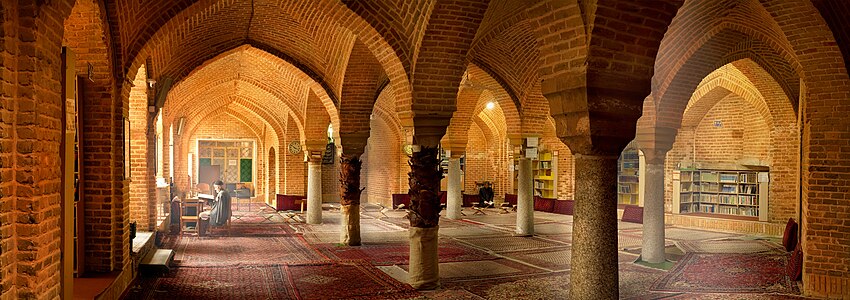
<point x="728" y="177"/>
<point x="727" y="188"/>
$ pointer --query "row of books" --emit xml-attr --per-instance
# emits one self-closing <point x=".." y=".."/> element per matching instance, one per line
<point x="716" y="209"/>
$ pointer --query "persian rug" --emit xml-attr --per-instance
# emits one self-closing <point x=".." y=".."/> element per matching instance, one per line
<point x="484" y="271"/>
<point x="731" y="246"/>
<point x="243" y="282"/>
<point x="260" y="230"/>
<point x="529" y="286"/>
<point x="355" y="279"/>
<point x="512" y="243"/>
<point x="453" y="294"/>
<point x="387" y="254"/>
<point x="728" y="273"/>
<point x="318" y="280"/>
<point x="236" y="251"/>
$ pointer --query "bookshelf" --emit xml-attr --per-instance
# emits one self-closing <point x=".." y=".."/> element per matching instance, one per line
<point x="724" y="192"/>
<point x="543" y="172"/>
<point x="628" y="167"/>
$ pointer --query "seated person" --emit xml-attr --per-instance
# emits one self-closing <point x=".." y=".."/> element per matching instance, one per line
<point x="220" y="213"/>
<point x="485" y="195"/>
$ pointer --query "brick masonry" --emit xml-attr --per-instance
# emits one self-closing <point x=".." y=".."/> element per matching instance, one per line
<point x="786" y="62"/>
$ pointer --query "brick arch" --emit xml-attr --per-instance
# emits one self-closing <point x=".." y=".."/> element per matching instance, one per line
<point x="717" y="86"/>
<point x="385" y="108"/>
<point x="226" y="93"/>
<point x="232" y="104"/>
<point x="316" y="126"/>
<point x="271" y="173"/>
<point x="713" y="53"/>
<point x="512" y="59"/>
<point x="827" y="84"/>
<point x="139" y="36"/>
<point x="501" y="94"/>
<point x="440" y="64"/>
<point x="561" y="42"/>
<point x="707" y="35"/>
<point x="253" y="65"/>
<point x="467" y="100"/>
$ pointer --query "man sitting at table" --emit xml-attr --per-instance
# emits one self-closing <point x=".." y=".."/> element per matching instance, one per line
<point x="220" y="212"/>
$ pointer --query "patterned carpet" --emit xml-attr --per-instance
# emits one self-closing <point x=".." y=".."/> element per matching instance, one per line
<point x="387" y="254"/>
<point x="511" y="243"/>
<point x="731" y="246"/>
<point x="331" y="280"/>
<point x="554" y="259"/>
<point x="728" y="273"/>
<point x="235" y="251"/>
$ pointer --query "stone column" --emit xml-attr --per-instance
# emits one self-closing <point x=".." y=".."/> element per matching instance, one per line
<point x="653" y="213"/>
<point x="424" y="216"/>
<point x="349" y="174"/>
<point x="454" y="197"/>
<point x="594" y="249"/>
<point x="314" y="191"/>
<point x="525" y="199"/>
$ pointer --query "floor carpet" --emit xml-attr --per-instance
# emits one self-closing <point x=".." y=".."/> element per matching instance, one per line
<point x="511" y="243"/>
<point x="331" y="280"/>
<point x="555" y="259"/>
<point x="346" y="280"/>
<point x="387" y="254"/>
<point x="234" y="251"/>
<point x="731" y="246"/>
<point x="728" y="273"/>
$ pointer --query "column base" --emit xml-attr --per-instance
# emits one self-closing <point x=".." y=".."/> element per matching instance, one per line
<point x="424" y="271"/>
<point x="349" y="231"/>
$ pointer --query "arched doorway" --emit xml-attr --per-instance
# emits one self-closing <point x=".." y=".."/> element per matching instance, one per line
<point x="272" y="177"/>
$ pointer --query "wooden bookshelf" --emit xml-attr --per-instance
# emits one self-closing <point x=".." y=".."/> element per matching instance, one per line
<point x="628" y="167"/>
<point x="726" y="192"/>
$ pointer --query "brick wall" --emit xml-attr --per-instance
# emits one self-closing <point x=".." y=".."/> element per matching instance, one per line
<point x="381" y="165"/>
<point x="142" y="156"/>
<point x="295" y="180"/>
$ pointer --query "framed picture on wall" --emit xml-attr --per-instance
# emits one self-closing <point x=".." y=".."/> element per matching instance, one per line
<point x="126" y="149"/>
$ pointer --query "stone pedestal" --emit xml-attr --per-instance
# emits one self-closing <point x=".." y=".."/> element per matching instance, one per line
<point x="454" y="197"/>
<point x="424" y="271"/>
<point x="314" y="192"/>
<point x="349" y="232"/>
<point x="653" y="213"/>
<point x="594" y="252"/>
<point x="525" y="199"/>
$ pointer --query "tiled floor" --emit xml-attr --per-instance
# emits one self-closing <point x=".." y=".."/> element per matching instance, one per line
<point x="535" y="267"/>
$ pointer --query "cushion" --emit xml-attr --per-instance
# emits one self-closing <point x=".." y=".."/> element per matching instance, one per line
<point x="564" y="207"/>
<point x="510" y="198"/>
<point x="795" y="264"/>
<point x="444" y="197"/>
<point x="401" y="199"/>
<point x="469" y="200"/>
<point x="288" y="202"/>
<point x="789" y="238"/>
<point x="544" y="204"/>
<point x="633" y="214"/>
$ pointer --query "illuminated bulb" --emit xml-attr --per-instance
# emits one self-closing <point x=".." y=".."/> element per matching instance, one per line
<point x="491" y="105"/>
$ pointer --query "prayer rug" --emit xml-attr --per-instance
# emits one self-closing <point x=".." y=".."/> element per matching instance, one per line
<point x="684" y="234"/>
<point x="728" y="273"/>
<point x="555" y="259"/>
<point x="484" y="270"/>
<point x="635" y="279"/>
<point x="731" y="246"/>
<point x="346" y="280"/>
<point x="235" y="251"/>
<point x="512" y="243"/>
<point x="244" y="282"/>
<point x="387" y="254"/>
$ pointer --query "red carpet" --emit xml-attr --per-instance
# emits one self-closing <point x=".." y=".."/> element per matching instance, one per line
<point x="728" y="273"/>
<point x="398" y="253"/>
<point x="346" y="280"/>
<point x="331" y="280"/>
<point x="234" y="251"/>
